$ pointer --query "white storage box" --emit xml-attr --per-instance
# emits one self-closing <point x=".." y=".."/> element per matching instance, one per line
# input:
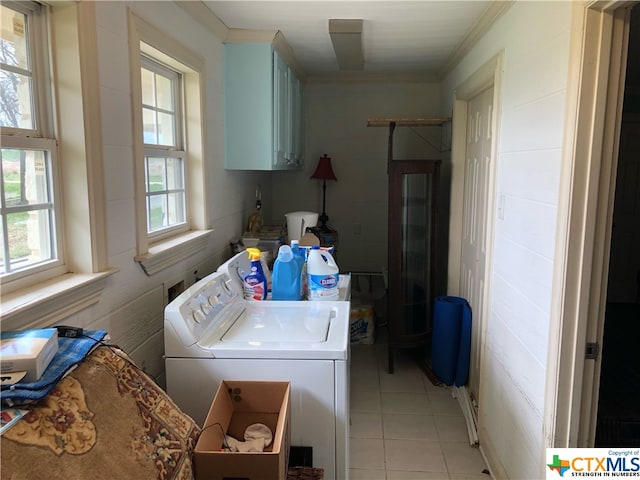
<point x="30" y="351"/>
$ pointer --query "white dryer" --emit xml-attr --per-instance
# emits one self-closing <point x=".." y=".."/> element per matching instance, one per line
<point x="212" y="333"/>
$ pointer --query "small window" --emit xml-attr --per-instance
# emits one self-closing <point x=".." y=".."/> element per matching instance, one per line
<point x="172" y="221"/>
<point x="164" y="152"/>
<point x="29" y="221"/>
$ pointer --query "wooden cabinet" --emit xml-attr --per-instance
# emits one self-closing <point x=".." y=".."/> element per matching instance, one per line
<point x="263" y="109"/>
<point x="413" y="193"/>
<point x="412" y="242"/>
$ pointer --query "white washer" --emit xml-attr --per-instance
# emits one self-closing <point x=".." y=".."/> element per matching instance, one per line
<point x="212" y="334"/>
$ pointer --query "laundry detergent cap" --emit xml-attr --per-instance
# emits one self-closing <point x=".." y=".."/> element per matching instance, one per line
<point x="285" y="254"/>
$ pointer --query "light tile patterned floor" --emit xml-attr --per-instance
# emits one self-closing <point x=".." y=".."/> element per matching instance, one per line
<point x="402" y="426"/>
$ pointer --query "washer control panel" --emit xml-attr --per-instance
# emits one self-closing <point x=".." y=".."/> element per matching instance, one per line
<point x="198" y="307"/>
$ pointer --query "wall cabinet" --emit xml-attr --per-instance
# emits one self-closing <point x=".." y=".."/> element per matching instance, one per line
<point x="263" y="112"/>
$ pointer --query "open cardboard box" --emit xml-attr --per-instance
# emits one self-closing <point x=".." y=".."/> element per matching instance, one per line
<point x="236" y="405"/>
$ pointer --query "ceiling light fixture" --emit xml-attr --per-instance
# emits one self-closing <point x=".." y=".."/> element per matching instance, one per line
<point x="346" y="37"/>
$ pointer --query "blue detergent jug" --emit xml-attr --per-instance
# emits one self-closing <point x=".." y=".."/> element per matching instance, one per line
<point x="285" y="281"/>
<point x="298" y="256"/>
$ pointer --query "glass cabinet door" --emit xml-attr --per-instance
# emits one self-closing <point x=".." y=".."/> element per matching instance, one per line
<point x="412" y="222"/>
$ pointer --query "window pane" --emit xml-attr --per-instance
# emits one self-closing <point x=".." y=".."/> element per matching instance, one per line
<point x="149" y="126"/>
<point x="25" y="176"/>
<point x="156" y="174"/>
<point x="165" y="127"/>
<point x="16" y="107"/>
<point x="160" y="104"/>
<point x="157" y="213"/>
<point x="27" y="208"/>
<point x="164" y="89"/>
<point x="148" y="90"/>
<point x="175" y="179"/>
<point x="14" y="39"/>
<point x="29" y="236"/>
<point x="176" y="208"/>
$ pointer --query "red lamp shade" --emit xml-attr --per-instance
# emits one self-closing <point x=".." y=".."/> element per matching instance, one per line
<point x="324" y="170"/>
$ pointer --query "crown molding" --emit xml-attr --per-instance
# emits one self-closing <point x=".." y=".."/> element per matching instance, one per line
<point x="492" y="13"/>
<point x="245" y="35"/>
<point x="205" y="17"/>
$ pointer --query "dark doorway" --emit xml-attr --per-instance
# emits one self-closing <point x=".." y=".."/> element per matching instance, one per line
<point x="618" y="423"/>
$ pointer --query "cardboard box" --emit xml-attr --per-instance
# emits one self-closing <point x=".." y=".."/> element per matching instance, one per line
<point x="236" y="405"/>
<point x="29" y="351"/>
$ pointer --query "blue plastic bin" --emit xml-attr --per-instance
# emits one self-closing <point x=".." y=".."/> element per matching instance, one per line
<point x="451" y="340"/>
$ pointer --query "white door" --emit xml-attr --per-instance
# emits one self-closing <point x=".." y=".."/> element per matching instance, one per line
<point x="474" y="221"/>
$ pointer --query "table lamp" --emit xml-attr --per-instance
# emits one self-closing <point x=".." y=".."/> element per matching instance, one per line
<point x="324" y="172"/>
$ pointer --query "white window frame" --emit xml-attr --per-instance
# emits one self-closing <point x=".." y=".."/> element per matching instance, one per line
<point x="41" y="138"/>
<point x="176" y="150"/>
<point x="157" y="252"/>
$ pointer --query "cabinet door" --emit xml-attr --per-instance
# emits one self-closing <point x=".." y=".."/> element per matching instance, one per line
<point x="413" y="189"/>
<point x="280" y="112"/>
<point x="297" y="121"/>
<point x="248" y="106"/>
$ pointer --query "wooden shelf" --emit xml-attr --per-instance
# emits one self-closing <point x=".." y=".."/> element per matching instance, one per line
<point x="406" y="122"/>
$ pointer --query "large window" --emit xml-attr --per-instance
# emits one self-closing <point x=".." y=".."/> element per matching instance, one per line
<point x="29" y="217"/>
<point x="164" y="153"/>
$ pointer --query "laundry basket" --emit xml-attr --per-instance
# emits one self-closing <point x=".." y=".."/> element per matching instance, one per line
<point x="305" y="473"/>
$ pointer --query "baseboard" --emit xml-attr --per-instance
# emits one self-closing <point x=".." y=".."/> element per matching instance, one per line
<point x="491" y="458"/>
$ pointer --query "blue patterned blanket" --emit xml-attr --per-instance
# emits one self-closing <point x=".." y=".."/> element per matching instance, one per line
<point x="71" y="351"/>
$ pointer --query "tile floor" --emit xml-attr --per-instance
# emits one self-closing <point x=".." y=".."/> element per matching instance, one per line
<point x="402" y="426"/>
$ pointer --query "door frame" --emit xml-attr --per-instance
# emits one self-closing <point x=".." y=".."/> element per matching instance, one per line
<point x="585" y="212"/>
<point x="488" y="75"/>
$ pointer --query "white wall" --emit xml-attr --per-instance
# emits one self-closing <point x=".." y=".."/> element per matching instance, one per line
<point x="535" y="39"/>
<point x="131" y="307"/>
<point x="336" y="124"/>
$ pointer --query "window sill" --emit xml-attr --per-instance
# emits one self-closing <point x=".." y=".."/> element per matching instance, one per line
<point x="169" y="252"/>
<point x="43" y="304"/>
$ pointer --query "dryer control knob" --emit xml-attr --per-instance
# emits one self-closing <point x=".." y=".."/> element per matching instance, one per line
<point x="213" y="299"/>
<point x="206" y="308"/>
<point x="198" y="316"/>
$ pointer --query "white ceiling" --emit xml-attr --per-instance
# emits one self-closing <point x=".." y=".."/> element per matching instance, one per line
<point x="415" y="36"/>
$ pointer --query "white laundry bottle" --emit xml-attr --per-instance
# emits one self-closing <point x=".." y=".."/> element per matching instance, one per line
<point x="322" y="274"/>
